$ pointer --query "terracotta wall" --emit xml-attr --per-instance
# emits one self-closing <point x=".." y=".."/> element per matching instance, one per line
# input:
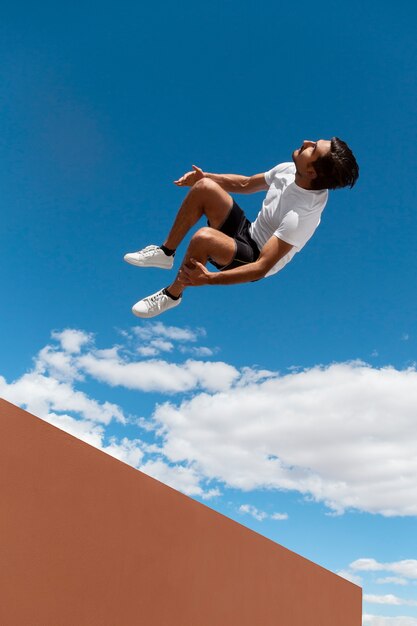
<point x="86" y="540"/>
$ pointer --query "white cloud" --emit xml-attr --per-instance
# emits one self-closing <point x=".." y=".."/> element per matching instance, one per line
<point x="406" y="568"/>
<point x="162" y="345"/>
<point x="392" y="580"/>
<point x="353" y="578"/>
<point x="158" y="329"/>
<point x="377" y="620"/>
<point x="159" y="375"/>
<point x="155" y="347"/>
<point x="343" y="435"/>
<point x="279" y="516"/>
<point x="388" y="598"/>
<point x="147" y="351"/>
<point x="198" y="350"/>
<point x="250" y="376"/>
<point x="211" y="493"/>
<point x="261" y="515"/>
<point x="370" y="567"/>
<point x="154" y="338"/>
<point x="58" y="364"/>
<point x="90" y="432"/>
<point x="42" y="395"/>
<point x="72" y="340"/>
<point x="253" y="512"/>
<point x="127" y="450"/>
<point x="185" y="479"/>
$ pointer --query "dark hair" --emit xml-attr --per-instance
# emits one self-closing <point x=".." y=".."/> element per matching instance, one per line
<point x="336" y="169"/>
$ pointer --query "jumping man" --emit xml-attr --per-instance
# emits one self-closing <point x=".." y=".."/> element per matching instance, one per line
<point x="297" y="193"/>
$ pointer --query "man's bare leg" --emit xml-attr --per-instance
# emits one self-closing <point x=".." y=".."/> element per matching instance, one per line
<point x="205" y="198"/>
<point x="207" y="242"/>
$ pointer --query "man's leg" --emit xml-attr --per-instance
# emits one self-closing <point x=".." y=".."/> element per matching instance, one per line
<point x="205" y="198"/>
<point x="207" y="242"/>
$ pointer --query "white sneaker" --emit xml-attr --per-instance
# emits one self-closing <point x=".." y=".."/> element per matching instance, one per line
<point x="155" y="304"/>
<point x="151" y="256"/>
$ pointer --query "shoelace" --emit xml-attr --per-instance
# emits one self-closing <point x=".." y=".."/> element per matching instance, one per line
<point x="156" y="299"/>
<point x="149" y="250"/>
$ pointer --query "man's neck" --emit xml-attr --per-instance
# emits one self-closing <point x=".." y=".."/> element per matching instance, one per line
<point x="301" y="182"/>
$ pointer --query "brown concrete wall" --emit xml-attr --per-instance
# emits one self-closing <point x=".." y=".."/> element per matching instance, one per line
<point x="86" y="540"/>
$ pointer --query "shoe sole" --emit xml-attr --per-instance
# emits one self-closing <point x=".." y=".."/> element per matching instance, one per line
<point x="146" y="315"/>
<point x="142" y="316"/>
<point x="142" y="264"/>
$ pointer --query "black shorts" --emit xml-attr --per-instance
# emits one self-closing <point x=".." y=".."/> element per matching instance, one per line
<point x="236" y="225"/>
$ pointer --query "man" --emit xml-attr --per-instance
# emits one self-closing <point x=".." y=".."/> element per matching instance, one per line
<point x="243" y="252"/>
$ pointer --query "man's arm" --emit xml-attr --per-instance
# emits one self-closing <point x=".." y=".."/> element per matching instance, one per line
<point x="271" y="253"/>
<point x="232" y="183"/>
<point x="236" y="183"/>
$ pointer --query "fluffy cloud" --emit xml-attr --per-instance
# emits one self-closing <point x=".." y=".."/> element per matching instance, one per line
<point x="158" y="375"/>
<point x="368" y="568"/>
<point x="253" y="512"/>
<point x="42" y="395"/>
<point x="376" y="620"/>
<point x="392" y="580"/>
<point x="406" y="568"/>
<point x="90" y="432"/>
<point x="154" y="330"/>
<point x="196" y="351"/>
<point x="155" y="347"/>
<point x="72" y="340"/>
<point x="353" y="578"/>
<point x="279" y="516"/>
<point x="343" y="435"/>
<point x="182" y="478"/>
<point x="127" y="450"/>
<point x="155" y="338"/>
<point x="261" y="515"/>
<point x="388" y="598"/>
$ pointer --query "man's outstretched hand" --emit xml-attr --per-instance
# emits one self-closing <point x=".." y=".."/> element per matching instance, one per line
<point x="190" y="178"/>
<point x="195" y="276"/>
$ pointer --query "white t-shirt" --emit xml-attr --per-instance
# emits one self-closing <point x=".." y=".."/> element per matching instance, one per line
<point x="289" y="212"/>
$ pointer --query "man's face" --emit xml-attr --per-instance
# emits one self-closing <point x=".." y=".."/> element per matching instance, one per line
<point x="305" y="156"/>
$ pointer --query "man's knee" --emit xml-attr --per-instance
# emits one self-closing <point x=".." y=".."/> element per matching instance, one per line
<point x="206" y="185"/>
<point x="203" y="236"/>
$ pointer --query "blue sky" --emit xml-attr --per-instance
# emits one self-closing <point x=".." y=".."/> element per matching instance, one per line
<point x="294" y="396"/>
